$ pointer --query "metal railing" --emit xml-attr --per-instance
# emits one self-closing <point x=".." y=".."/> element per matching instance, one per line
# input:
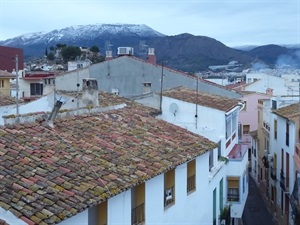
<point x="138" y="214"/>
<point x="191" y="183"/>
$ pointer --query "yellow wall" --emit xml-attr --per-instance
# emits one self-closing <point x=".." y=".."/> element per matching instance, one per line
<point x="6" y="89"/>
<point x="102" y="213"/>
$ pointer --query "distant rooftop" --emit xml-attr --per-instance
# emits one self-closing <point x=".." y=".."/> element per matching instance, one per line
<point x="201" y="98"/>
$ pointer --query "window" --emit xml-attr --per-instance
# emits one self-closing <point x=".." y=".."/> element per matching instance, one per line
<point x="234" y="122"/>
<point x="191" y="175"/>
<point x="215" y="207"/>
<point x="245" y="107"/>
<point x="246" y="129"/>
<point x="2" y="83"/>
<point x="275" y="129"/>
<point x="219" y="149"/>
<point x="146" y="87"/>
<point x="228" y="126"/>
<point x="249" y="80"/>
<point x="233" y="189"/>
<point x="102" y="213"/>
<point x="36" y="89"/>
<point x="138" y="204"/>
<point x="211" y="159"/>
<point x="240" y="131"/>
<point x="287" y="135"/>
<point x="274" y="104"/>
<point x="221" y="195"/>
<point x="169" y="194"/>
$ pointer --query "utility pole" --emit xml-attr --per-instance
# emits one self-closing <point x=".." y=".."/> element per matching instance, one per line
<point x="161" y="85"/>
<point x="17" y="84"/>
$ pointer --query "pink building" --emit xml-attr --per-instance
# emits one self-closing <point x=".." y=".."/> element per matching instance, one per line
<point x="248" y="118"/>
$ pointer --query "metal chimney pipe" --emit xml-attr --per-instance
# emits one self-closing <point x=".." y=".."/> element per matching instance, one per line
<point x="53" y="113"/>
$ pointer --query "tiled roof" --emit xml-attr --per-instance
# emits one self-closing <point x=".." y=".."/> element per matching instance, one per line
<point x="5" y="74"/>
<point x="202" y="98"/>
<point x="48" y="175"/>
<point x="105" y="99"/>
<point x="7" y="100"/>
<point x="235" y="85"/>
<point x="289" y="111"/>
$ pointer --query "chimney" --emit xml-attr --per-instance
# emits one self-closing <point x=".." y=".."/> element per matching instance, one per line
<point x="151" y="56"/>
<point x="108" y="55"/>
<point x="269" y="91"/>
<point x="54" y="112"/>
<point x="90" y="92"/>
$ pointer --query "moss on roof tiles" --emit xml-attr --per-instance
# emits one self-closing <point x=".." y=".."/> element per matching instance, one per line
<point x="93" y="158"/>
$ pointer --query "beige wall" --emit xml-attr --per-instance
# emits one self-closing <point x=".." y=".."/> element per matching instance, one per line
<point x="5" y="88"/>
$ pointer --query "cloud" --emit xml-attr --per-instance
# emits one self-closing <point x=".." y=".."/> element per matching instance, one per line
<point x="232" y="22"/>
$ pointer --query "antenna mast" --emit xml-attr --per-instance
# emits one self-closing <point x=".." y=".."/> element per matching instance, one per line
<point x="17" y="85"/>
<point x="196" y="115"/>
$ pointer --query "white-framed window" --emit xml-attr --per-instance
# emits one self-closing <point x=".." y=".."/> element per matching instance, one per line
<point x="228" y="127"/>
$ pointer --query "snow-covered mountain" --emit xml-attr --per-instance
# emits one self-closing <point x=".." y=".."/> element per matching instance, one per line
<point x="70" y="34"/>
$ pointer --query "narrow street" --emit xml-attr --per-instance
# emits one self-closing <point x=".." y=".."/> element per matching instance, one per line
<point x="255" y="211"/>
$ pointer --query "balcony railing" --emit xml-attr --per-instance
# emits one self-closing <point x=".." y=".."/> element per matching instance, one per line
<point x="273" y="173"/>
<point x="191" y="183"/>
<point x="233" y="197"/>
<point x="138" y="214"/>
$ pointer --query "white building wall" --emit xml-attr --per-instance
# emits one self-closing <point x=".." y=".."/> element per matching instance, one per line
<point x="119" y="209"/>
<point x="267" y="81"/>
<point x="68" y="81"/>
<point x="81" y="218"/>
<point x="209" y="122"/>
<point x="280" y="143"/>
<point x="189" y="208"/>
<point x="239" y="169"/>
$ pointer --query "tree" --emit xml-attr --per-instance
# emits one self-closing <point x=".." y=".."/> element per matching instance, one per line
<point x="94" y="49"/>
<point x="60" y="46"/>
<point x="50" y="56"/>
<point x="70" y="53"/>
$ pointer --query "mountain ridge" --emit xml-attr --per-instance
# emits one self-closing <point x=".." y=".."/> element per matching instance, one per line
<point x="185" y="52"/>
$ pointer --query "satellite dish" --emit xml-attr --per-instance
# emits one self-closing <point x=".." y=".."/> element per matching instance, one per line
<point x="174" y="108"/>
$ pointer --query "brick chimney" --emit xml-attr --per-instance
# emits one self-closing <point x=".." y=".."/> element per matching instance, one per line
<point x="269" y="91"/>
<point x="151" y="56"/>
<point x="108" y="55"/>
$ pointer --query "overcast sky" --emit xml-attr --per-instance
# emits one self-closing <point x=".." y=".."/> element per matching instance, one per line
<point x="233" y="22"/>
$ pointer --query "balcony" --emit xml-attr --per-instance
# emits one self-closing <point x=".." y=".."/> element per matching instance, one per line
<point x="138" y="215"/>
<point x="284" y="182"/>
<point x="233" y="197"/>
<point x="265" y="162"/>
<point x="273" y="173"/>
<point x="225" y="215"/>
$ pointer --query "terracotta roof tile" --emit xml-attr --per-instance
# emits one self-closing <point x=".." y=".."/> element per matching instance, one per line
<point x="86" y="159"/>
<point x="7" y="100"/>
<point x="201" y="98"/>
<point x="288" y="112"/>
